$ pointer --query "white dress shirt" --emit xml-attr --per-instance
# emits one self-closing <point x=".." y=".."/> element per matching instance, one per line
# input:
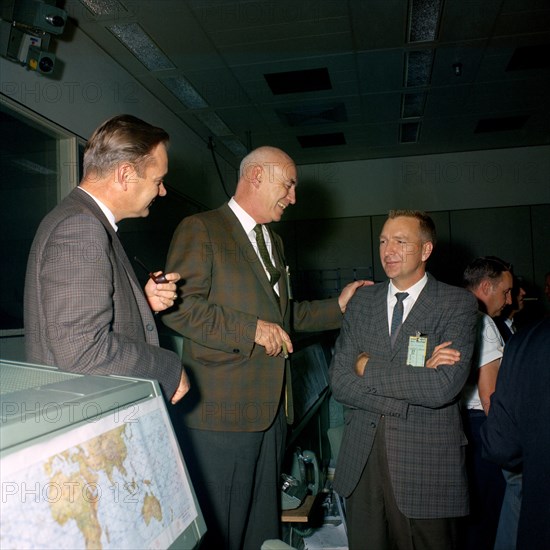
<point x="414" y="291"/>
<point x="248" y="223"/>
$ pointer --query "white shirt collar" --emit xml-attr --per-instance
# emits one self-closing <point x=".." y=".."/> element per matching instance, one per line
<point x="247" y="221"/>
<point x="408" y="303"/>
<point x="413" y="291"/>
<point x="108" y="214"/>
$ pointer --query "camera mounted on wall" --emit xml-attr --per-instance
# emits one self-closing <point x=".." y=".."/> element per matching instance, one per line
<point x="26" y="27"/>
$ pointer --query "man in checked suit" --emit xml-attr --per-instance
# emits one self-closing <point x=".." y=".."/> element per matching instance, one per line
<point x="401" y="461"/>
<point x="235" y="317"/>
<point x="84" y="309"/>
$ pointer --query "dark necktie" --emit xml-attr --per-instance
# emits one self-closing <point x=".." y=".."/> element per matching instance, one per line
<point x="397" y="317"/>
<point x="274" y="273"/>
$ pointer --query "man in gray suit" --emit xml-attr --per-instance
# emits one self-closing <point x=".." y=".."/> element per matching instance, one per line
<point x="400" y="362"/>
<point x="84" y="309"/>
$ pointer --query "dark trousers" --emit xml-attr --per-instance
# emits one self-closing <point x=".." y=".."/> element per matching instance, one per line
<point x="374" y="522"/>
<point x="487" y="485"/>
<point x="236" y="476"/>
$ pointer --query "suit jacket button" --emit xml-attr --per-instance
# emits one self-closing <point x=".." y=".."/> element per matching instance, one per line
<point x="373" y="424"/>
<point x="149" y="327"/>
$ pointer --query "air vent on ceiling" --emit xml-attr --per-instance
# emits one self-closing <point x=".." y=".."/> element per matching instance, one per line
<point x="530" y="57"/>
<point x="322" y="140"/>
<point x="307" y="115"/>
<point x="503" y="124"/>
<point x="294" y="82"/>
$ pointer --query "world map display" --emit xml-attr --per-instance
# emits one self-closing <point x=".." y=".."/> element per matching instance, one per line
<point x="118" y="482"/>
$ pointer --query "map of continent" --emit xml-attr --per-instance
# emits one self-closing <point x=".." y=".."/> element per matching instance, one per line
<point x="123" y="488"/>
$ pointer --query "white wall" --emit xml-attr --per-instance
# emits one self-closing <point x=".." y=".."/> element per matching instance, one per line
<point x="478" y="179"/>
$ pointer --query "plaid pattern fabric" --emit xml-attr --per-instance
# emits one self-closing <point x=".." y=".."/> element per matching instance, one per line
<point x="84" y="309"/>
<point x="235" y="385"/>
<point x="424" y="437"/>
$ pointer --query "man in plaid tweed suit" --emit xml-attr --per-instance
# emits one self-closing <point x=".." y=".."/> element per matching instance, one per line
<point x="401" y="461"/>
<point x="234" y="324"/>
<point x="84" y="309"/>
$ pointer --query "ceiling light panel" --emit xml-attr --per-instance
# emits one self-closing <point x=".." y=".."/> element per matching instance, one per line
<point x="141" y="45"/>
<point x="423" y="20"/>
<point x="235" y="146"/>
<point x="104" y="7"/>
<point x="410" y="132"/>
<point x="418" y="67"/>
<point x="413" y="105"/>
<point x="213" y="122"/>
<point x="185" y="92"/>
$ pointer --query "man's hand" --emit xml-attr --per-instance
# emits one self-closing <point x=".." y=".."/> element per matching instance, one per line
<point x="272" y="337"/>
<point x="161" y="296"/>
<point x="361" y="363"/>
<point x="443" y="355"/>
<point x="348" y="291"/>
<point x="183" y="388"/>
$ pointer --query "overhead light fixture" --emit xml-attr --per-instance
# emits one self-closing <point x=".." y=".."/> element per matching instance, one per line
<point x="409" y="132"/>
<point x="424" y="16"/>
<point x="413" y="104"/>
<point x="235" y="146"/>
<point x="104" y="7"/>
<point x="418" y="67"/>
<point x="213" y="122"/>
<point x="142" y="46"/>
<point x="184" y="91"/>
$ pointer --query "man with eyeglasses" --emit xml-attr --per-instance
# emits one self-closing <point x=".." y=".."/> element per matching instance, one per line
<point x="490" y="280"/>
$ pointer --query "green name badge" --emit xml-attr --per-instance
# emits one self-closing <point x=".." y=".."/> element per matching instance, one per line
<point x="416" y="354"/>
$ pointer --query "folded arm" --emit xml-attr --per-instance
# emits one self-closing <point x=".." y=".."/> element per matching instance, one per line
<point x="394" y="380"/>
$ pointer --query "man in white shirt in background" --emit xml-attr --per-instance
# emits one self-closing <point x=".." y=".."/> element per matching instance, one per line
<point x="490" y="280"/>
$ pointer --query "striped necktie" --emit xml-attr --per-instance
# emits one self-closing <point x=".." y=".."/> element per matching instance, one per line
<point x="274" y="273"/>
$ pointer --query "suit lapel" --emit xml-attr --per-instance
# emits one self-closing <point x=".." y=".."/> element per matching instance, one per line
<point x="380" y="311"/>
<point x="415" y="319"/>
<point x="123" y="261"/>
<point x="236" y="230"/>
